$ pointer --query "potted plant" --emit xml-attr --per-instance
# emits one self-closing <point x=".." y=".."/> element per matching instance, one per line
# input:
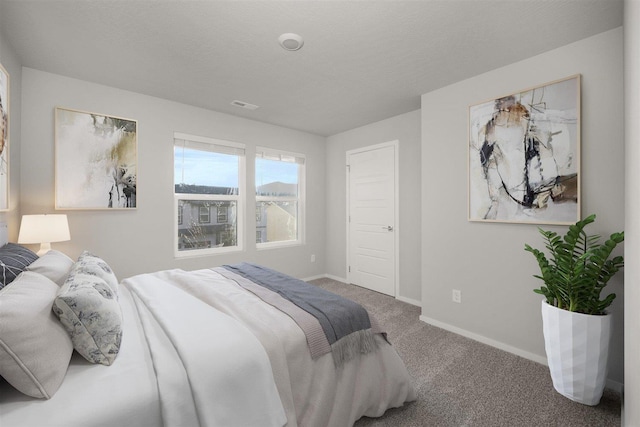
<point x="576" y="324"/>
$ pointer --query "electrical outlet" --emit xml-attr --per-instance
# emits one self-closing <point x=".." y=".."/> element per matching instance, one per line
<point x="313" y="258"/>
<point x="456" y="296"/>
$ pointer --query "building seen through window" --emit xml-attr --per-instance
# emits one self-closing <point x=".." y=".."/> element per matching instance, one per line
<point x="207" y="179"/>
<point x="279" y="191"/>
<point x="210" y="200"/>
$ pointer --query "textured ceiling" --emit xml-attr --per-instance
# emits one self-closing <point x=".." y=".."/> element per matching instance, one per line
<point x="362" y="61"/>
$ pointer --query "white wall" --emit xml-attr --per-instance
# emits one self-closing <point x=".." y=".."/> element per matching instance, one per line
<point x="487" y="261"/>
<point x="10" y="62"/>
<point x="406" y="129"/>
<point x="632" y="212"/>
<point x="142" y="240"/>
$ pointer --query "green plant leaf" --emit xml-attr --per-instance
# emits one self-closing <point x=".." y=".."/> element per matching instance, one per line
<point x="578" y="267"/>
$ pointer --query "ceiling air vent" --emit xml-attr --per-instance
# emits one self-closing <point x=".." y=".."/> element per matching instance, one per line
<point x="245" y="105"/>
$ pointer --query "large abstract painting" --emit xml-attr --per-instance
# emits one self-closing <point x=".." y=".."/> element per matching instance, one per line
<point x="524" y="153"/>
<point x="4" y="139"/>
<point x="95" y="161"/>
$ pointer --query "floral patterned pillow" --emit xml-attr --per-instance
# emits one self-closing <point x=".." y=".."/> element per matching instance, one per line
<point x="91" y="264"/>
<point x="87" y="305"/>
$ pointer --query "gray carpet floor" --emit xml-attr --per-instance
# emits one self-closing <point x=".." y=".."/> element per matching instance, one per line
<point x="461" y="382"/>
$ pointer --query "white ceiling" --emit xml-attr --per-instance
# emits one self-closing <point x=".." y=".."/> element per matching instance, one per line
<point x="362" y="61"/>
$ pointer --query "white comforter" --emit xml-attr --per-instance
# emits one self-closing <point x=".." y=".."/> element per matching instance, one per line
<point x="211" y="370"/>
<point x="313" y="393"/>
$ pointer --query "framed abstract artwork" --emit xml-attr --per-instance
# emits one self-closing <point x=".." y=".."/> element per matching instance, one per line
<point x="524" y="156"/>
<point x="96" y="158"/>
<point x="4" y="139"/>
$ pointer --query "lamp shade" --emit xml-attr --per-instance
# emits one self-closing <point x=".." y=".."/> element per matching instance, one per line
<point x="44" y="229"/>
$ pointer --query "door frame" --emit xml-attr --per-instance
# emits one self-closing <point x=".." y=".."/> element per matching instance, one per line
<point x="396" y="208"/>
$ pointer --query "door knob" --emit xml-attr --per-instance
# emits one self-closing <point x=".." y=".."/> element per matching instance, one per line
<point x="388" y="228"/>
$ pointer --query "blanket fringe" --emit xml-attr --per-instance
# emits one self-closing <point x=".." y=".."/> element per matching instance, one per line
<point x="352" y="345"/>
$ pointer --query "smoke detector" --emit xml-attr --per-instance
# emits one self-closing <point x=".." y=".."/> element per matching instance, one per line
<point x="290" y="41"/>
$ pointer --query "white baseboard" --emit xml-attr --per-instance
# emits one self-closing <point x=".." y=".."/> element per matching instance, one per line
<point x="610" y="384"/>
<point x="319" y="276"/>
<point x="485" y="340"/>
<point x="343" y="280"/>
<point x="336" y="278"/>
<point x="326" y="276"/>
<point x="410" y="301"/>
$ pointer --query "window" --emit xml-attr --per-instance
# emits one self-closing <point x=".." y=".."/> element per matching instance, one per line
<point x="208" y="178"/>
<point x="279" y="197"/>
<point x="222" y="214"/>
<point x="204" y="214"/>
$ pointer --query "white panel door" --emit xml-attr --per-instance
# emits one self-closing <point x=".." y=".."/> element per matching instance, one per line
<point x="372" y="209"/>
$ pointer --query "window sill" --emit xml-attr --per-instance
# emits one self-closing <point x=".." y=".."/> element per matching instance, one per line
<point x="277" y="245"/>
<point x="198" y="253"/>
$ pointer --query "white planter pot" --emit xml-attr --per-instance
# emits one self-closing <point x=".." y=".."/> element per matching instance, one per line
<point x="577" y="347"/>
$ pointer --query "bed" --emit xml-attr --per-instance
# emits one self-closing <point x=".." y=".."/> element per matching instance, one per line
<point x="210" y="347"/>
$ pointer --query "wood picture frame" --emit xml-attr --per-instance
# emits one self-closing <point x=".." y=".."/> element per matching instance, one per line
<point x="524" y="156"/>
<point x="96" y="157"/>
<point x="5" y="101"/>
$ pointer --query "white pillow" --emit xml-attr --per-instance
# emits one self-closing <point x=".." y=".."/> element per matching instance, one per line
<point x="35" y="350"/>
<point x="88" y="308"/>
<point x="54" y="264"/>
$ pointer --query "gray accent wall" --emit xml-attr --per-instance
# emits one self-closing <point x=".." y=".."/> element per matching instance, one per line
<point x="141" y="240"/>
<point x="487" y="261"/>
<point x="404" y="128"/>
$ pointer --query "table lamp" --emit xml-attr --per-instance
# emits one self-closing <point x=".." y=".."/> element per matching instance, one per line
<point x="44" y="229"/>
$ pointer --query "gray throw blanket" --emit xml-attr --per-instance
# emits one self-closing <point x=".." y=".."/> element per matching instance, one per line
<point x="345" y="323"/>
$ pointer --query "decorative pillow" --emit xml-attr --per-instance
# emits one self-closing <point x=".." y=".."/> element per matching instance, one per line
<point x="54" y="264"/>
<point x="88" y="308"/>
<point x="91" y="264"/>
<point x="13" y="260"/>
<point x="35" y="350"/>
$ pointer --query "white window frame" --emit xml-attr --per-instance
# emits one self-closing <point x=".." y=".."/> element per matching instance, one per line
<point x="300" y="159"/>
<point x="240" y="198"/>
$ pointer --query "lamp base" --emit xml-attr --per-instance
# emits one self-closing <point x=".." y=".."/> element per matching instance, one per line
<point x="44" y="248"/>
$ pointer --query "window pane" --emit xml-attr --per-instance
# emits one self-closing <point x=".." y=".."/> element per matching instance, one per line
<point x="222" y="214"/>
<point x="276" y="178"/>
<point x="278" y="221"/>
<point x="204" y="172"/>
<point x="204" y="214"/>
<point x="194" y="233"/>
